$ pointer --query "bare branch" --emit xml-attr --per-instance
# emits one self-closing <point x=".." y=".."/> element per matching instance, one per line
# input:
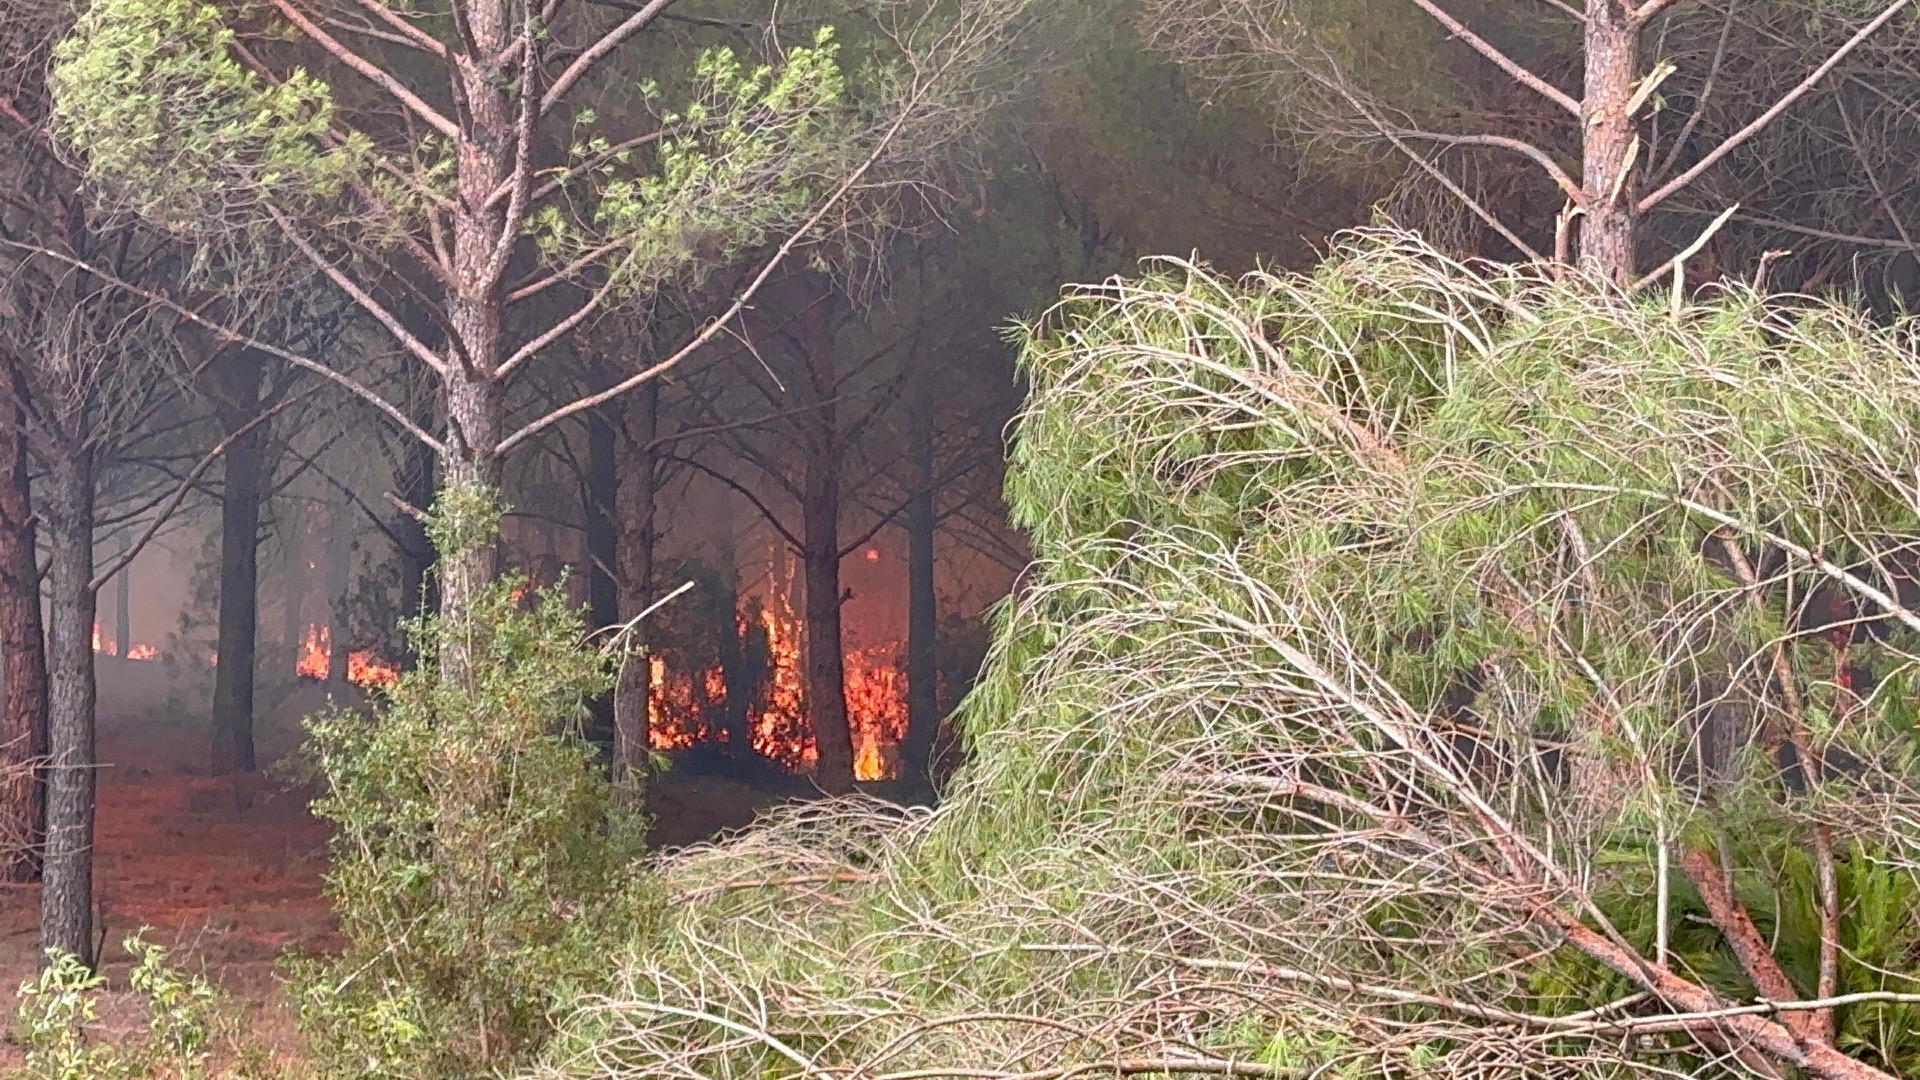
<point x="1501" y="60"/>
<point x="370" y="71"/>
<point x="1786" y="101"/>
<point x="599" y="51"/>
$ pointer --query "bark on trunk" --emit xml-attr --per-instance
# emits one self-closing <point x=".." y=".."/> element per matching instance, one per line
<point x="23" y="659"/>
<point x="602" y="542"/>
<point x="66" y="899"/>
<point x="923" y="614"/>
<point x="236" y="646"/>
<point x="484" y="157"/>
<point x="1607" y="158"/>
<point x="633" y="568"/>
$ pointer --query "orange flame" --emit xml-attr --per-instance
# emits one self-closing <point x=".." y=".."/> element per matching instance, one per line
<point x="316" y="649"/>
<point x="679" y="703"/>
<point x="112" y="648"/>
<point x="364" y="667"/>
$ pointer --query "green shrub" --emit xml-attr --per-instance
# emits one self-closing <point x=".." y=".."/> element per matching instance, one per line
<point x="480" y="864"/>
<point x="184" y="1016"/>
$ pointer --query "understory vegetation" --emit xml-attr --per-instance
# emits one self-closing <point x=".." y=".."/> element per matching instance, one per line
<point x="1428" y="670"/>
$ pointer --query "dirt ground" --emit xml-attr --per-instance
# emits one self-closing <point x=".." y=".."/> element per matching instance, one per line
<point x="226" y="872"/>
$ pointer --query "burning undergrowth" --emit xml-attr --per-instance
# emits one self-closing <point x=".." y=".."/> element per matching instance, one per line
<point x="727" y="667"/>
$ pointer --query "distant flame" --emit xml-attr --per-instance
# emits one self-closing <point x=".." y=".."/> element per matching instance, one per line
<point x="112" y="648"/>
<point x="364" y="668"/>
<point x="679" y="703"/>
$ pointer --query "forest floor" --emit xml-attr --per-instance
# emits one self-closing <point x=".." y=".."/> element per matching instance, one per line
<point x="226" y="872"/>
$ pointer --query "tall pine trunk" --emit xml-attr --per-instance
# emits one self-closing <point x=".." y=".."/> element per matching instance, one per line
<point x="66" y="899"/>
<point x="417" y="592"/>
<point x="923" y="613"/>
<point x="293" y="615"/>
<point x="476" y="409"/>
<point x="123" y="607"/>
<point x="633" y="570"/>
<point x="339" y="582"/>
<point x="601" y="492"/>
<point x="23" y="657"/>
<point x="474" y="415"/>
<point x="237" y="644"/>
<point x="820" y="565"/>
<point x="1609" y="224"/>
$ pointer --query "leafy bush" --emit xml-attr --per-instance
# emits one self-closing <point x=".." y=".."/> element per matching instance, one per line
<point x="185" y="1016"/>
<point x="480" y="864"/>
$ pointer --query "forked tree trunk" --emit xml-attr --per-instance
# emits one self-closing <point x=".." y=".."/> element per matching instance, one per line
<point x="923" y="613"/>
<point x="1608" y="226"/>
<point x="23" y="658"/>
<point x="235" y="650"/>
<point x="66" y="899"/>
<point x="633" y="569"/>
<point x="602" y="491"/>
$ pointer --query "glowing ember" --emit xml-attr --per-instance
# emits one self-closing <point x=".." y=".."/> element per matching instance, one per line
<point x="96" y="642"/>
<point x="143" y="652"/>
<point x="873" y="554"/>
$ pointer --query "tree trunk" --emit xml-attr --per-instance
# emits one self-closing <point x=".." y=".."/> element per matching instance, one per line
<point x="740" y="677"/>
<point x="601" y="492"/>
<point x="476" y="410"/>
<point x="1608" y="226"/>
<point x="474" y="415"/>
<point x="339" y="582"/>
<point x="66" y="899"/>
<point x="238" y="637"/>
<point x="417" y="592"/>
<point x="23" y="659"/>
<point x="633" y="569"/>
<point x="820" y="521"/>
<point x="923" y="613"/>
<point x="123" y="607"/>
<point x="294" y="627"/>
